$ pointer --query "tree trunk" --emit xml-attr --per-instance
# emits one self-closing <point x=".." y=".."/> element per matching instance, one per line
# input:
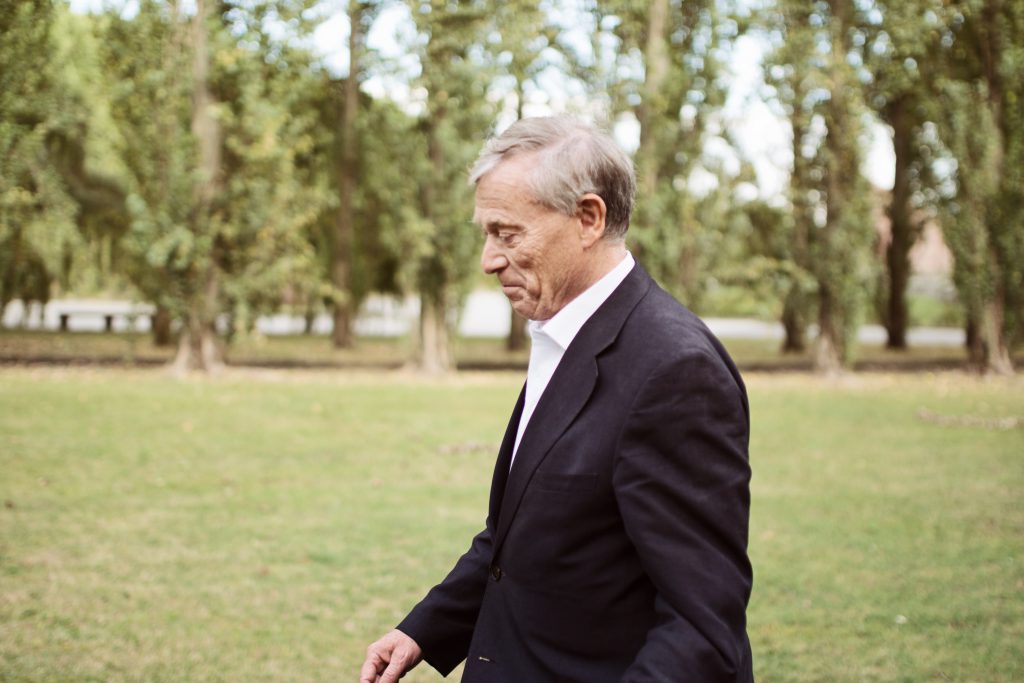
<point x="985" y="338"/>
<point x="829" y="353"/>
<point x="434" y="355"/>
<point x="897" y="254"/>
<point x="828" y="347"/>
<point x="834" y="308"/>
<point x="652" y="101"/>
<point x="516" y="340"/>
<point x="161" y="324"/>
<point x="344" y="226"/>
<point x="795" y="340"/>
<point x="656" y="63"/>
<point x="996" y="352"/>
<point x="205" y="127"/>
<point x="341" y="315"/>
<point x="198" y="348"/>
<point x="689" y="256"/>
<point x="794" y="311"/>
<point x="973" y="341"/>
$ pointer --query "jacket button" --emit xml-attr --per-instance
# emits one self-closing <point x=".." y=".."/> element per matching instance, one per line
<point x="496" y="572"/>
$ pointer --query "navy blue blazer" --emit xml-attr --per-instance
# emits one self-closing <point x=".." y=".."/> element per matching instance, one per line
<point x="616" y="548"/>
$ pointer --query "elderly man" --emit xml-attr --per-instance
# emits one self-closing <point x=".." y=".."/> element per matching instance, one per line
<point x="615" y="544"/>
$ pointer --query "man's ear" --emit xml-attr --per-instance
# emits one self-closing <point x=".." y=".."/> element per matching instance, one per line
<point x="591" y="212"/>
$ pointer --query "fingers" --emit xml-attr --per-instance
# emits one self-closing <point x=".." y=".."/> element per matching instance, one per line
<point x="396" y="669"/>
<point x="371" y="667"/>
<point x="389" y="658"/>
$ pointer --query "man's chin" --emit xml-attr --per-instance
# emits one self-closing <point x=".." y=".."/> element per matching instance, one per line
<point x="521" y="308"/>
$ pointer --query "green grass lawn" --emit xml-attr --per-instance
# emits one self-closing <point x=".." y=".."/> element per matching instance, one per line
<point x="266" y="525"/>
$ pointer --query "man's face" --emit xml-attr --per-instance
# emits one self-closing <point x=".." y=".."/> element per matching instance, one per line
<point x="536" y="252"/>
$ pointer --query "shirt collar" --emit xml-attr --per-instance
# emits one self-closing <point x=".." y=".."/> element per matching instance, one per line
<point x="563" y="327"/>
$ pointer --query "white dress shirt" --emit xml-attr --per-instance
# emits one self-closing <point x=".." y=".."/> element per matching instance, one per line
<point x="550" y="338"/>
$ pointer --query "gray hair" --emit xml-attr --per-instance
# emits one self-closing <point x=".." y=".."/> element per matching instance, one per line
<point x="574" y="158"/>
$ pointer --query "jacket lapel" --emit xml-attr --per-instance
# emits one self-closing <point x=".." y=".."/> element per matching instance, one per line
<point x="500" y="477"/>
<point x="564" y="397"/>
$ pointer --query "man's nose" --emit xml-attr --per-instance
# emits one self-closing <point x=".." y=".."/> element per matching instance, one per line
<point x="492" y="260"/>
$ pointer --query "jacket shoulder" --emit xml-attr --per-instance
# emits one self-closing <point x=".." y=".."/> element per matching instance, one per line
<point x="663" y="326"/>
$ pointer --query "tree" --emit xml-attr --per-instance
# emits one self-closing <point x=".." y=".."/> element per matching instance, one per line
<point x="454" y="123"/>
<point x="900" y="48"/>
<point x="38" y="228"/>
<point x="765" y="268"/>
<point x="276" y="194"/>
<point x="793" y="71"/>
<point x="360" y="16"/>
<point x="981" y="124"/>
<point x="218" y="204"/>
<point x="382" y="200"/>
<point x="820" y="87"/>
<point x="666" y="74"/>
<point x="197" y="346"/>
<point x="840" y="248"/>
<point x="142" y="59"/>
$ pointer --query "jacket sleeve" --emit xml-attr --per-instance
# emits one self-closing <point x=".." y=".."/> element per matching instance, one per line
<point x="682" y="479"/>
<point x="442" y="623"/>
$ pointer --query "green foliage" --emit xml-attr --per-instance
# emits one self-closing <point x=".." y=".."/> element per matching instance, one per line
<point x="38" y="104"/>
<point x="666" y="72"/>
<point x="981" y="125"/>
<point x="388" y="149"/>
<point x="268" y="196"/>
<point x="441" y="243"/>
<point x="524" y="42"/>
<point x="103" y="186"/>
<point x="454" y="124"/>
<point x="973" y="140"/>
<point x="900" y="49"/>
<point x="815" y="78"/>
<point x="149" y="81"/>
<point x="754" y="262"/>
<point x="929" y="310"/>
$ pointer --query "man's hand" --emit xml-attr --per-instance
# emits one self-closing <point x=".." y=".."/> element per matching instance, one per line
<point x="390" y="658"/>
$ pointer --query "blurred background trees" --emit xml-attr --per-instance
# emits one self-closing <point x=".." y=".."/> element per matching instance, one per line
<point x="38" y="231"/>
<point x="979" y="123"/>
<point x="205" y="158"/>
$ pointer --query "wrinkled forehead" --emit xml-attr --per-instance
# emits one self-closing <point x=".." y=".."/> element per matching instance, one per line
<point x="508" y="183"/>
<point x="514" y="169"/>
<point x="505" y="195"/>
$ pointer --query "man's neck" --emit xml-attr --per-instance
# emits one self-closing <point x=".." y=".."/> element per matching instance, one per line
<point x="597" y="265"/>
<point x="610" y="254"/>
